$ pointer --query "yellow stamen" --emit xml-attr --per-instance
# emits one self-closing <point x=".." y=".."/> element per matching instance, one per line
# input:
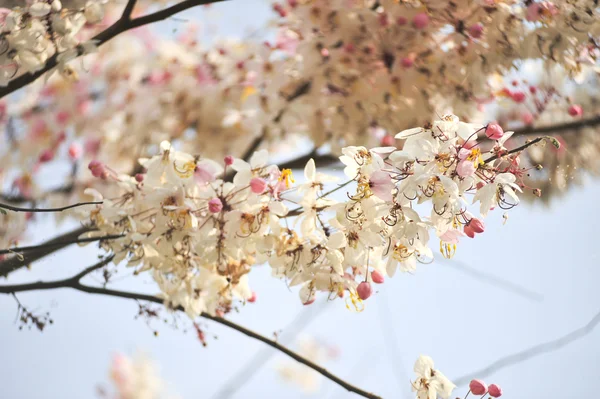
<point x="447" y="250"/>
<point x="248" y="91"/>
<point x="187" y="170"/>
<point x="475" y="156"/>
<point x="357" y="303"/>
<point x="287" y="176"/>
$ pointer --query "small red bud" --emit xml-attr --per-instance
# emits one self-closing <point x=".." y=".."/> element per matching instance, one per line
<point x="364" y="290"/>
<point x="478" y="387"/>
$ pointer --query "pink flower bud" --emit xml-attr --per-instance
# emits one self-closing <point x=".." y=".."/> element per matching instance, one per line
<point x="421" y="20"/>
<point x="228" y="160"/>
<point x="494" y="132"/>
<point x="477" y="387"/>
<point x="575" y="110"/>
<point x="310" y="301"/>
<point x="98" y="169"/>
<point x="518" y="96"/>
<point x="388" y="141"/>
<point x="476" y="31"/>
<point x="407" y="62"/>
<point x="532" y="89"/>
<point x="215" y="205"/>
<point x="46" y="156"/>
<point x="527" y="118"/>
<point x="364" y="290"/>
<point x="62" y="117"/>
<point x="383" y="20"/>
<point x="75" y="151"/>
<point x="401" y="20"/>
<point x="377" y="277"/>
<point x="252" y="299"/>
<point x="139" y="177"/>
<point x="258" y="185"/>
<point x="468" y="230"/>
<point x="477" y="225"/>
<point x="495" y="391"/>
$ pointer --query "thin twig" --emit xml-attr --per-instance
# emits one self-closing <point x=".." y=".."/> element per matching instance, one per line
<point x="60" y="209"/>
<point x="580" y="124"/>
<point x="122" y="25"/>
<point x="536" y="350"/>
<point x="518" y="149"/>
<point x="74" y="283"/>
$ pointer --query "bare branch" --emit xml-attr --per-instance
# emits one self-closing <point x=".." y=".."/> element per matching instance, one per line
<point x="122" y="25"/>
<point x="518" y="149"/>
<point x="534" y="351"/>
<point x="60" y="209"/>
<point x="580" y="124"/>
<point x="75" y="284"/>
<point x="128" y="10"/>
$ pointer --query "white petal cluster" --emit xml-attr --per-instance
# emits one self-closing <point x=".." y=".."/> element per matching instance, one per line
<point x="199" y="226"/>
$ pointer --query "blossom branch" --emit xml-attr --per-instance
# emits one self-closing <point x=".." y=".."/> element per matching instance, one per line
<point x="124" y="24"/>
<point x="74" y="283"/>
<point x="60" y="209"/>
<point x="518" y="149"/>
<point x="59" y="243"/>
<point x="580" y="124"/>
<point x="128" y="10"/>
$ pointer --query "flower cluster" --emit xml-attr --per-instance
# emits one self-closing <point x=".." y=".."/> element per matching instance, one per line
<point x="199" y="226"/>
<point x="29" y="36"/>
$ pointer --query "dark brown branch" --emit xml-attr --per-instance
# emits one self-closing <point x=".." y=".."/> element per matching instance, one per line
<point x="122" y="25"/>
<point x="59" y="244"/>
<point x="63" y="208"/>
<point x="518" y="149"/>
<point x="75" y="284"/>
<point x="536" y="350"/>
<point x="580" y="124"/>
<point x="128" y="10"/>
<point x="15" y="262"/>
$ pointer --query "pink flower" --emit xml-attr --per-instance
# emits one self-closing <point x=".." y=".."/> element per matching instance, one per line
<point x="381" y="184"/>
<point x="465" y="168"/>
<point x="215" y="205"/>
<point x="469" y="231"/>
<point x="575" y="110"/>
<point x="205" y="172"/>
<point x="401" y="20"/>
<point x="527" y="118"/>
<point x="494" y="132"/>
<point x="476" y="31"/>
<point x="451" y="236"/>
<point x="62" y="117"/>
<point x="75" y="151"/>
<point x="478" y="387"/>
<point x="377" y="277"/>
<point x="388" y="141"/>
<point x="258" y="185"/>
<point x="364" y="290"/>
<point x="495" y="391"/>
<point x="228" y="160"/>
<point x="286" y="41"/>
<point x="421" y="20"/>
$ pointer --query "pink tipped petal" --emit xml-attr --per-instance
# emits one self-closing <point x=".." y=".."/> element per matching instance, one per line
<point x="478" y="387"/>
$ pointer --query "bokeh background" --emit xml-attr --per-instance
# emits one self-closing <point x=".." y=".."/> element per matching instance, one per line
<point x="516" y="306"/>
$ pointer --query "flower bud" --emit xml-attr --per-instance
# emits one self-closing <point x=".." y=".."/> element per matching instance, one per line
<point x="388" y="141"/>
<point x="75" y="151"/>
<point x="228" y="160"/>
<point x="518" y="96"/>
<point x="421" y="20"/>
<point x="469" y="230"/>
<point x="493" y="131"/>
<point x="477" y="225"/>
<point x="575" y="110"/>
<point x="215" y="205"/>
<point x="364" y="290"/>
<point x="98" y="169"/>
<point x="401" y="20"/>
<point x="377" y="277"/>
<point x="46" y="156"/>
<point x="478" y="387"/>
<point x="139" y="177"/>
<point x="495" y="391"/>
<point x="258" y="185"/>
<point x="252" y="299"/>
<point x="476" y="31"/>
<point x="407" y="62"/>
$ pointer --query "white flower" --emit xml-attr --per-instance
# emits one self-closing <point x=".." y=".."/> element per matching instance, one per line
<point x="430" y="382"/>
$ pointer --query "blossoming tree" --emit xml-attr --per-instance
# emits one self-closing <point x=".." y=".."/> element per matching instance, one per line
<point x="169" y="144"/>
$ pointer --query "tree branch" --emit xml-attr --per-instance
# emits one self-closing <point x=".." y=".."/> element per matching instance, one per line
<point x="536" y="350"/>
<point x="63" y="208"/>
<point x="74" y="283"/>
<point x="122" y="25"/>
<point x="14" y="263"/>
<point x="518" y="149"/>
<point x="128" y="10"/>
<point x="60" y="244"/>
<point x="580" y="124"/>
